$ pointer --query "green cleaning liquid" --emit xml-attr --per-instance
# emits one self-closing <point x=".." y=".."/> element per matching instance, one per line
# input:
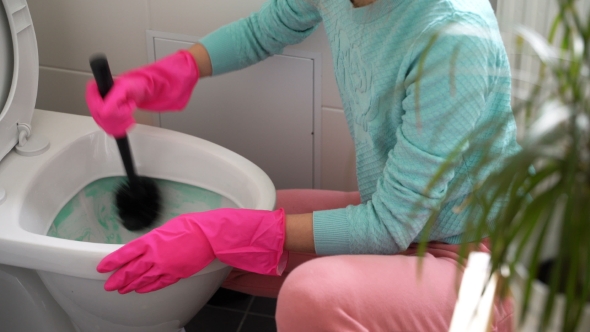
<point x="91" y="215"/>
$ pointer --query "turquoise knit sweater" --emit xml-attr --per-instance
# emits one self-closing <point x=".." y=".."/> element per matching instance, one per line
<point x="403" y="127"/>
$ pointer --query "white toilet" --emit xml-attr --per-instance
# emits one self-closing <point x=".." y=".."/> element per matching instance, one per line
<point x="49" y="283"/>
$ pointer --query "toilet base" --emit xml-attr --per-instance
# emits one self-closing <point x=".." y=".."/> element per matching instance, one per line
<point x="93" y="309"/>
<point x="26" y="305"/>
<point x="78" y="330"/>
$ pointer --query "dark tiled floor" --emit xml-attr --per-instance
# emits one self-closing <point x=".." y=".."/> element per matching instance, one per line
<point x="229" y="311"/>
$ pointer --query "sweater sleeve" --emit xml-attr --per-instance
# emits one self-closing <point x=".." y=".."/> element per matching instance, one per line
<point x="247" y="41"/>
<point x="445" y="96"/>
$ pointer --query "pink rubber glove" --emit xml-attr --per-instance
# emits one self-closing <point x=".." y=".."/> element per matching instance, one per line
<point x="250" y="240"/>
<point x="164" y="85"/>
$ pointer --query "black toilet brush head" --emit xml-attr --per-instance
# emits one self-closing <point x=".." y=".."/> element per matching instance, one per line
<point x="138" y="198"/>
<point x="139" y="204"/>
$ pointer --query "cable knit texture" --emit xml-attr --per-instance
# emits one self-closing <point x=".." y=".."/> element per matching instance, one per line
<point x="415" y="77"/>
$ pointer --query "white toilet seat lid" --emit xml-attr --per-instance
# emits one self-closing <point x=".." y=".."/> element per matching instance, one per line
<point x="19" y="71"/>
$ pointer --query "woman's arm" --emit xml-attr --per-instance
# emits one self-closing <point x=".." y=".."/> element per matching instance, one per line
<point x="250" y="40"/>
<point x="447" y="97"/>
<point x="202" y="59"/>
<point x="299" y="233"/>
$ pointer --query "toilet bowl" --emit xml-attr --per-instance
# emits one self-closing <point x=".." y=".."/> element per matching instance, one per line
<point x="50" y="283"/>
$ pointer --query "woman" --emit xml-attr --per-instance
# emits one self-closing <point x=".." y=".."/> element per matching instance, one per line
<point x="415" y="77"/>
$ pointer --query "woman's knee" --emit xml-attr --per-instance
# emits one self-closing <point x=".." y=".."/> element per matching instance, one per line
<point x="301" y="286"/>
<point x="306" y="296"/>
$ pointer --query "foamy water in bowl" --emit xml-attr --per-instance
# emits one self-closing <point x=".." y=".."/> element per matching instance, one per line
<point x="91" y="215"/>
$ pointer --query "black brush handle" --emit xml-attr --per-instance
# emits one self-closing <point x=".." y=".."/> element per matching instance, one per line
<point x="104" y="81"/>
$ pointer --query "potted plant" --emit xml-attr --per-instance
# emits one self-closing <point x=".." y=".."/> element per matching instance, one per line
<point x="540" y="237"/>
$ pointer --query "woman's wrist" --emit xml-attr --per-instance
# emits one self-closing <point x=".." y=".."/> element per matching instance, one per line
<point x="202" y="59"/>
<point x="299" y="233"/>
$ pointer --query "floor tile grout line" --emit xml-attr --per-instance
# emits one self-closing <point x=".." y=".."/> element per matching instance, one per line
<point x="261" y="315"/>
<point x="246" y="314"/>
<point x="250" y="304"/>
<point x="225" y="308"/>
<point x="242" y="311"/>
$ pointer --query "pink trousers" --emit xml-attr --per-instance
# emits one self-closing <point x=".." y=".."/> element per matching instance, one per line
<point x="361" y="292"/>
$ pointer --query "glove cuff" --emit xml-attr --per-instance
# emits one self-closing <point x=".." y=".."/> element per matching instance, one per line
<point x="251" y="240"/>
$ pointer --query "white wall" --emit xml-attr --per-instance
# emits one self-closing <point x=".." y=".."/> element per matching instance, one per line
<point x="69" y="31"/>
<point x="537" y="15"/>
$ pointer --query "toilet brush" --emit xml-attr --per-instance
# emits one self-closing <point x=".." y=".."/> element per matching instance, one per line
<point x="137" y="199"/>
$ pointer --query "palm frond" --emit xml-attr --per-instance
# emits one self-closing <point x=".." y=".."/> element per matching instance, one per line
<point x="543" y="191"/>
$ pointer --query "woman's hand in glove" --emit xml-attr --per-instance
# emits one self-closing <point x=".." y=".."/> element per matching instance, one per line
<point x="164" y="85"/>
<point x="251" y="240"/>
